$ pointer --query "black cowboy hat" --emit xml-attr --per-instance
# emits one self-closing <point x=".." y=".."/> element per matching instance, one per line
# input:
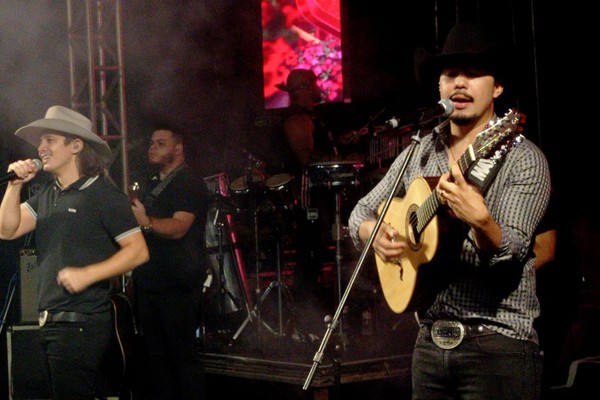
<point x="466" y="45"/>
<point x="299" y="78"/>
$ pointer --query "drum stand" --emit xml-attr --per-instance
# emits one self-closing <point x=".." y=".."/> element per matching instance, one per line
<point x="281" y="289"/>
<point x="337" y="237"/>
<point x="256" y="312"/>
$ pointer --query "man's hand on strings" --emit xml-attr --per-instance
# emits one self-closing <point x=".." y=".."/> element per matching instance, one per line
<point x="464" y="200"/>
<point x="387" y="244"/>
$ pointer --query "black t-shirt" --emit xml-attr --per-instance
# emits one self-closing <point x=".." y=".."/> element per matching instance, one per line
<point x="175" y="264"/>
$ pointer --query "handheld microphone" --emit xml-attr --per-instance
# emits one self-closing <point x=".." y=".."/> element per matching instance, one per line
<point x="443" y="108"/>
<point x="12" y="174"/>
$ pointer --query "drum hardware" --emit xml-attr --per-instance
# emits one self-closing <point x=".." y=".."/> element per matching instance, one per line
<point x="250" y="184"/>
<point x="224" y="205"/>
<point x="282" y="290"/>
<point x="337" y="232"/>
<point x="225" y="262"/>
<point x="223" y="289"/>
<point x="336" y="176"/>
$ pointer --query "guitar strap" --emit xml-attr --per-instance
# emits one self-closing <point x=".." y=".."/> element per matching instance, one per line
<point x="160" y="187"/>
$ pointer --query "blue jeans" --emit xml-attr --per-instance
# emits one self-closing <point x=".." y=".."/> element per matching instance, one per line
<point x="491" y="367"/>
<point x="73" y="355"/>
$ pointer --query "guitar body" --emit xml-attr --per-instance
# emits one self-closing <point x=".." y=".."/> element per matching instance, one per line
<point x="398" y="281"/>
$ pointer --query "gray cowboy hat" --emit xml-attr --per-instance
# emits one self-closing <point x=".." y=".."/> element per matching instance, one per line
<point x="466" y="45"/>
<point x="65" y="120"/>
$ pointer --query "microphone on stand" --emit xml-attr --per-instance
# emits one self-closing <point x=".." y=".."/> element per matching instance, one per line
<point x="444" y="108"/>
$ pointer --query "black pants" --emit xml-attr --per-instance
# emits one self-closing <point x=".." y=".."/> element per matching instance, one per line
<point x="73" y="355"/>
<point x="171" y="365"/>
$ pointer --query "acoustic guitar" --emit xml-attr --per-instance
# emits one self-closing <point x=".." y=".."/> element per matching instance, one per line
<point x="415" y="215"/>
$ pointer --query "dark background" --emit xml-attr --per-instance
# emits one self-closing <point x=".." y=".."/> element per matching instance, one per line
<point x="199" y="63"/>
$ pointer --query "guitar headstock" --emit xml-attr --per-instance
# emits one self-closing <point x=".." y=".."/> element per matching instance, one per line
<point x="133" y="192"/>
<point x="496" y="141"/>
<point x="479" y="163"/>
<point x="501" y="137"/>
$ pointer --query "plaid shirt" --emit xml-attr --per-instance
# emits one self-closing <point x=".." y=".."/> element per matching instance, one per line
<point x="495" y="289"/>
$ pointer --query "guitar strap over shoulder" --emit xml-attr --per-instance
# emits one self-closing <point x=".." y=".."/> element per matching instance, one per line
<point x="160" y="187"/>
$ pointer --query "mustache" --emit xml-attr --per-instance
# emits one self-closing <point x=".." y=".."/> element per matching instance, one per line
<point x="462" y="95"/>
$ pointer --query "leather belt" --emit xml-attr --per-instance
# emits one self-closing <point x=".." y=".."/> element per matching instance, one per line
<point x="61" y="316"/>
<point x="448" y="334"/>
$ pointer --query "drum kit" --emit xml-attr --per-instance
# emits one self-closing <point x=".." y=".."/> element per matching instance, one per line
<point x="272" y="198"/>
<point x="237" y="206"/>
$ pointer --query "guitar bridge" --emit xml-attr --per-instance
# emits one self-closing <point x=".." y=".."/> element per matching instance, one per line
<point x="401" y="271"/>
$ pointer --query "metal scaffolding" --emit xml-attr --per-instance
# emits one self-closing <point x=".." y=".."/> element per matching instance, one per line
<point x="97" y="74"/>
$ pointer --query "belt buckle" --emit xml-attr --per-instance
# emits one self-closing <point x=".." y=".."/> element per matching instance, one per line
<point x="447" y="334"/>
<point x="43" y="317"/>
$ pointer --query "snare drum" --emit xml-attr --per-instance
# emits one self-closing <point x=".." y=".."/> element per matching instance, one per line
<point x="281" y="191"/>
<point x="334" y="174"/>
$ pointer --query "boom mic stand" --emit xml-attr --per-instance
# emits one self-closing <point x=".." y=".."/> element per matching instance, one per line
<point x="333" y="323"/>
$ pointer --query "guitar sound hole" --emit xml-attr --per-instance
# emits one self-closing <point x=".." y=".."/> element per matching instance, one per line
<point x="412" y="233"/>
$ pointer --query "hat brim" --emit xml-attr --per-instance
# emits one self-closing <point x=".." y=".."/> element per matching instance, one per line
<point x="31" y="133"/>
<point x="429" y="67"/>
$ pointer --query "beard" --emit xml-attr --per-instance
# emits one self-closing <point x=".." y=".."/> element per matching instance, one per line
<point x="163" y="160"/>
<point x="463" y="120"/>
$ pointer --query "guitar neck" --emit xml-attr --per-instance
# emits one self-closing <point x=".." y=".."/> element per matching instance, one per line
<point x="425" y="213"/>
<point x="432" y="203"/>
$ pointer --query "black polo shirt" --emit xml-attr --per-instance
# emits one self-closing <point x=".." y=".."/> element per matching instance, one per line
<point x="78" y="226"/>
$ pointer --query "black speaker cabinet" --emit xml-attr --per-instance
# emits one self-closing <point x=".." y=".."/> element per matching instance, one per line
<point x="28" y="287"/>
<point x="25" y="375"/>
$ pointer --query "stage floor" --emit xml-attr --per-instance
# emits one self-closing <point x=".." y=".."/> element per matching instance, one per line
<point x="285" y="353"/>
<point x="291" y="357"/>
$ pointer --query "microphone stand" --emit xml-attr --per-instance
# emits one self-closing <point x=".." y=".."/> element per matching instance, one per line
<point x="333" y="323"/>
